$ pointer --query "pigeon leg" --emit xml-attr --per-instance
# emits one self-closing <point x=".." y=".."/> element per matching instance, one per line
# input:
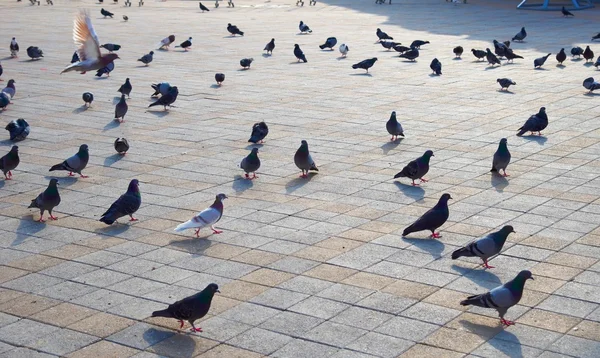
<point x="253" y="176"/>
<point x="132" y="218"/>
<point x="506" y="322"/>
<point x="414" y="184"/>
<point x="52" y="217"/>
<point x="215" y="230"/>
<point x="83" y="176"/>
<point x="194" y="329"/>
<point x="423" y="180"/>
<point x="539" y="133"/>
<point x="71" y="174"/>
<point x="392" y="139"/>
<point x="197" y="235"/>
<point x="486" y="265"/>
<point x="181" y="325"/>
<point x="505" y="175"/>
<point x="247" y="176"/>
<point x="436" y="235"/>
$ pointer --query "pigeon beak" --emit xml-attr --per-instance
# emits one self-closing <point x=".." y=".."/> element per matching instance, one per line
<point x="218" y="291"/>
<point x="514" y="231"/>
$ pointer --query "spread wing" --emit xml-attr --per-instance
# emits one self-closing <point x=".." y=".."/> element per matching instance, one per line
<point x="85" y="37"/>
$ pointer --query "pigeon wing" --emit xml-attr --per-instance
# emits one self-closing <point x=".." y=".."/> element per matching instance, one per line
<point x="85" y="38"/>
<point x="503" y="297"/>
<point x="73" y="163"/>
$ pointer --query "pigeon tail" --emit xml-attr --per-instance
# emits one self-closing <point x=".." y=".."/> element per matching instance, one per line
<point x="108" y="219"/>
<point x="521" y="132"/>
<point x="494" y="170"/>
<point x="190" y="224"/>
<point x="60" y="166"/>
<point x="163" y="313"/>
<point x="462" y="252"/>
<point x="33" y="204"/>
<point x="470" y="300"/>
<point x="322" y="47"/>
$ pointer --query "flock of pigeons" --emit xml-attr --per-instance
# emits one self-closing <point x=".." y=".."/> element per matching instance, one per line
<point x="89" y="58"/>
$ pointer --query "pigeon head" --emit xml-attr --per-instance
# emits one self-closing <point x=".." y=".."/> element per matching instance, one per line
<point x="393" y="113"/>
<point x="301" y="22"/>
<point x="254" y="151"/>
<point x="507" y="229"/>
<point x="221" y="197"/>
<point x="503" y="141"/>
<point x="273" y="39"/>
<point x="83" y="148"/>
<point x="296" y="45"/>
<point x="133" y="186"/>
<point x="543" y="110"/>
<point x="428" y="154"/>
<point x="374" y="59"/>
<point x="524" y="276"/>
<point x="14" y="39"/>
<point x="10" y="83"/>
<point x="213" y="287"/>
<point x="229" y="24"/>
<point x="445" y="197"/>
<point x="190" y="38"/>
<point x="109" y="57"/>
<point x="53" y="182"/>
<point x="14" y="149"/>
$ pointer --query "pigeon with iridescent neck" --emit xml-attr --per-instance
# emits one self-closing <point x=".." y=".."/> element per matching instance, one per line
<point x="485" y="247"/>
<point x="127" y="204"/>
<point x="416" y="169"/>
<point x="9" y="162"/>
<point x="432" y="219"/>
<point x="501" y="158"/>
<point x="207" y="217"/>
<point x="76" y="163"/>
<point x="47" y="200"/>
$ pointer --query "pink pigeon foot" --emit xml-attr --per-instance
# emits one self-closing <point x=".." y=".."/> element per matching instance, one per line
<point x="52" y="217"/>
<point x="423" y="180"/>
<point x="197" y="232"/>
<point x="195" y="329"/>
<point x="181" y="325"/>
<point x="132" y="218"/>
<point x="487" y="266"/>
<point x="84" y="176"/>
<point x="71" y="174"/>
<point x="436" y="235"/>
<point x="506" y="323"/>
<point x="41" y="220"/>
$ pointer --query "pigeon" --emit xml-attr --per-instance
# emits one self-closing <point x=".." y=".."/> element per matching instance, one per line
<point x="597" y="63"/>
<point x="88" y="48"/>
<point x="75" y="57"/>
<point x="234" y="30"/>
<point x="418" y="43"/>
<point x="127" y="204"/>
<point x="125" y="18"/>
<point x="9" y="162"/>
<point x="4" y="100"/>
<point x="18" y="129"/>
<point x="10" y="89"/>
<point x="480" y="54"/>
<point x="576" y="51"/>
<point x="491" y="58"/>
<point x="121" y="145"/>
<point x="259" y="132"/>
<point x="299" y="54"/>
<point x="111" y="47"/>
<point x="47" y="200"/>
<point x="394" y="127"/>
<point x="88" y="98"/>
<point x="251" y="163"/>
<point x="106" y="70"/>
<point x="595" y="37"/>
<point x="382" y="35"/>
<point x="304" y="28"/>
<point x="588" y="54"/>
<point x="539" y="62"/>
<point x="590" y="84"/>
<point x="566" y="13"/>
<point x="389" y="44"/>
<point x="520" y="36"/>
<point x="432" y="219"/>
<point x="416" y="169"/>
<point x="126" y="88"/>
<point x="401" y="49"/>
<point x="436" y="66"/>
<point x="14" y="48"/>
<point x="121" y="109"/>
<point x="76" y="163"/>
<point x="411" y="54"/>
<point x="186" y="44"/>
<point x="106" y="13"/>
<point x="344" y="49"/>
<point x="485" y="247"/>
<point x="458" y="51"/>
<point x="166" y="42"/>
<point x="365" y="64"/>
<point x="501" y="158"/>
<point x="329" y="43"/>
<point x="207" y="217"/>
<point x="505" y="83"/>
<point x="219" y="77"/>
<point x="246" y="62"/>
<point x="161" y="88"/>
<point x="535" y="123"/>
<point x="303" y="160"/>
<point x="1" y="70"/>
<point x="35" y="52"/>
<point x="502" y="297"/>
<point x="190" y="308"/>
<point x="270" y="47"/>
<point x="202" y="7"/>
<point x="146" y="59"/>
<point x="168" y="99"/>
<point x="510" y="55"/>
<point x="500" y="48"/>
<point x="561" y="56"/>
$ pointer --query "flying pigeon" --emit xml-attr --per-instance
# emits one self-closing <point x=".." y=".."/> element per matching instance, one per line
<point x="510" y="55"/>
<point x="168" y="99"/>
<point x="382" y="35"/>
<point x="111" y="47"/>
<point x="47" y="200"/>
<point x="344" y="49"/>
<point x="259" y="132"/>
<point x="505" y="83"/>
<point x="125" y="18"/>
<point x="75" y="57"/>
<point x="246" y="62"/>
<point x="125" y="88"/>
<point x="329" y="43"/>
<point x="127" y="204"/>
<point x="146" y="59"/>
<point x="14" y="48"/>
<point x="566" y="13"/>
<point x="411" y="54"/>
<point x="491" y="58"/>
<point x="595" y="37"/>
<point x="365" y="64"/>
<point x="190" y="308"/>
<point x="432" y="219"/>
<point x="121" y="109"/>
<point x="76" y="163"/>
<point x="480" y="54"/>
<point x="270" y="47"/>
<point x="458" y="51"/>
<point x="251" y="163"/>
<point x="9" y="162"/>
<point x="219" y="77"/>
<point x="418" y="43"/>
<point x="501" y="158"/>
<point x="389" y="44"/>
<point x="394" y="127"/>
<point x="106" y="13"/>
<point x="536" y="123"/>
<point x="186" y="44"/>
<point x="539" y="62"/>
<point x="166" y="42"/>
<point x="88" y="48"/>
<point x="303" y="160"/>
<point x="202" y="7"/>
<point x="561" y="56"/>
<point x="304" y="28"/>
<point x="485" y="247"/>
<point x="35" y="52"/>
<point x="299" y="54"/>
<point x="18" y="129"/>
<point x="161" y="88"/>
<point x="233" y="30"/>
<point x="590" y="84"/>
<point x="436" y="66"/>
<point x="121" y="145"/>
<point x="502" y="297"/>
<point x="88" y="98"/>
<point x="106" y="70"/>
<point x="588" y="54"/>
<point x="576" y="51"/>
<point x="416" y="169"/>
<point x="10" y="89"/>
<point x="520" y="36"/>
<point x="207" y="217"/>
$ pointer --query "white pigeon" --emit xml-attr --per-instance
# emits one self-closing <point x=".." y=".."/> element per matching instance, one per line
<point x="344" y="49"/>
<point x="207" y="217"/>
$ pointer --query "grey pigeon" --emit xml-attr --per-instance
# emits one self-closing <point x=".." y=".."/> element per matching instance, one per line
<point x="501" y="298"/>
<point x="344" y="49"/>
<point x="270" y="47"/>
<point x="246" y="62"/>
<point x="10" y="89"/>
<point x="18" y="129"/>
<point x="576" y="51"/>
<point x="14" y="47"/>
<point x="125" y="88"/>
<point x="505" y="83"/>
<point x="106" y="70"/>
<point x="146" y="59"/>
<point x="365" y="64"/>
<point x="480" y="54"/>
<point x="9" y="162"/>
<point x="510" y="55"/>
<point x="436" y="66"/>
<point x="47" y="200"/>
<point x="35" y="52"/>
<point x="202" y="7"/>
<point x="595" y="37"/>
<point x="233" y="30"/>
<point x="382" y="35"/>
<point x="588" y="54"/>
<point x="161" y="88"/>
<point x="185" y="45"/>
<point x="416" y="169"/>
<point x="4" y="100"/>
<point x="597" y="63"/>
<point x="111" y="47"/>
<point x="485" y="247"/>
<point x="219" y="77"/>
<point x="303" y="160"/>
<point x="259" y="132"/>
<point x="500" y="48"/>
<point x="121" y="145"/>
<point x="411" y="54"/>
<point x="491" y="58"/>
<point x="566" y="13"/>
<point x="329" y="43"/>
<point x="251" y="163"/>
<point x="394" y="127"/>
<point x="418" y="43"/>
<point x="190" y="308"/>
<point x="561" y="56"/>
<point x="88" y="98"/>
<point x="127" y="204"/>
<point x="121" y="109"/>
<point x="299" y="54"/>
<point x="501" y="158"/>
<point x="536" y="123"/>
<point x="76" y="163"/>
<point x="304" y="28"/>
<point x="432" y="219"/>
<point x="458" y="51"/>
<point x="168" y="99"/>
<point x="539" y="62"/>
<point x="207" y="217"/>
<point x="166" y="42"/>
<point x="590" y="84"/>
<point x="389" y="44"/>
<point x="520" y="36"/>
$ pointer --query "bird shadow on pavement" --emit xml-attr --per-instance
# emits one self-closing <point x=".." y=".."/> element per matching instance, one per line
<point x="297" y="62"/>
<point x="561" y="66"/>
<point x="265" y="55"/>
<point x="540" y="69"/>
<point x="415" y="192"/>
<point x="7" y="142"/>
<point x="193" y="245"/>
<point x="63" y="181"/>
<point x="241" y="184"/>
<point x="541" y="140"/>
<point x="142" y="66"/>
<point x="491" y="68"/>
<point x="432" y="246"/>
<point x="505" y="92"/>
<point x="80" y="109"/>
<point x="298" y="183"/>
<point x="509" y="344"/>
<point x="576" y="59"/>
<point x="110" y="125"/>
<point x="214" y="85"/>
<point x="458" y="59"/>
<point x="101" y="77"/>
<point x="341" y="58"/>
<point x="2" y="182"/>
<point x="184" y="343"/>
<point x="434" y="75"/>
<point x="28" y="226"/>
<point x="116" y="100"/>
<point x="484" y="278"/>
<point x="159" y="114"/>
<point x="243" y="69"/>
<point x="7" y="58"/>
<point x="591" y="94"/>
<point x="366" y="74"/>
<point x="112" y="159"/>
<point x="387" y="147"/>
<point x="499" y="182"/>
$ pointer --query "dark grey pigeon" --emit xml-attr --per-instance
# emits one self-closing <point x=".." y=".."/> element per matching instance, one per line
<point x="491" y="58"/>
<point x="394" y="127"/>
<point x="18" y="129"/>
<point x="270" y="47"/>
<point x="246" y="62"/>
<point x="576" y="51"/>
<point x="10" y="89"/>
<point x="401" y="49"/>
<point x="203" y="8"/>
<point x="35" y="52"/>
<point x="121" y="145"/>
<point x="566" y="13"/>
<point x="304" y="28"/>
<point x="389" y="44"/>
<point x="126" y="88"/>
<point x="520" y="36"/>
<point x="259" y="132"/>
<point x="539" y="62"/>
<point x="121" y="109"/>
<point x="480" y="54"/>
<point x="432" y="219"/>
<point x="88" y="98"/>
<point x="485" y="247"/>
<point x="106" y="70"/>
<point x="501" y="158"/>
<point x="329" y="43"/>
<point x="588" y="54"/>
<point x="9" y="162"/>
<point x="47" y="200"/>
<point x="458" y="51"/>
<point x="76" y="163"/>
<point x="251" y="163"/>
<point x="590" y="84"/>
<point x="411" y="54"/>
<point x="436" y="66"/>
<point x="168" y="99"/>
<point x="146" y="59"/>
<point x="233" y="30"/>
<point x="190" y="308"/>
<point x="597" y="63"/>
<point x="161" y="88"/>
<point x="561" y="56"/>
<point x="418" y="43"/>
<point x="595" y="37"/>
<point x="111" y="47"/>
<point x="4" y="100"/>
<point x="500" y="48"/>
<point x="303" y="160"/>
<point x="536" y="123"/>
<point x="106" y="13"/>
<point x="510" y="55"/>
<point x="127" y="204"/>
<point x="416" y="169"/>
<point x="185" y="45"/>
<point x="219" y="78"/>
<point x="501" y="298"/>
<point x="299" y="54"/>
<point x="365" y="64"/>
<point x="505" y="83"/>
<point x="382" y="35"/>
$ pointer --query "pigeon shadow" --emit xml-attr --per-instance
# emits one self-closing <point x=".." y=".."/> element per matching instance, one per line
<point x="576" y="59"/>
<point x="101" y="78"/>
<point x="457" y="59"/>
<point x="390" y="145"/>
<point x="254" y="145"/>
<point x="7" y="58"/>
<point x="63" y="181"/>
<point x="540" y="69"/>
<point x="434" y="75"/>
<point x="431" y="246"/>
<point x="27" y="228"/>
<point x="112" y="159"/>
<point x="509" y="344"/>
<point x="266" y="55"/>
<point x="159" y="114"/>
<point x="505" y="91"/>
<point x="143" y="66"/>
<point x="536" y="138"/>
<point x="415" y="192"/>
<point x="115" y="229"/>
<point x="484" y="278"/>
<point x="110" y="125"/>
<point x="408" y="61"/>
<point x="241" y="184"/>
<point x="232" y="36"/>
<point x="366" y="74"/>
<point x="492" y="68"/>
<point x="186" y="345"/>
<point x="561" y="66"/>
<point x="214" y="85"/>
<point x="340" y="58"/>
<point x="80" y="109"/>
<point x="193" y="245"/>
<point x="2" y="183"/>
<point x="296" y="63"/>
<point x="298" y="183"/>
<point x="499" y="182"/>
<point x="243" y="69"/>
<point x="591" y="94"/>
